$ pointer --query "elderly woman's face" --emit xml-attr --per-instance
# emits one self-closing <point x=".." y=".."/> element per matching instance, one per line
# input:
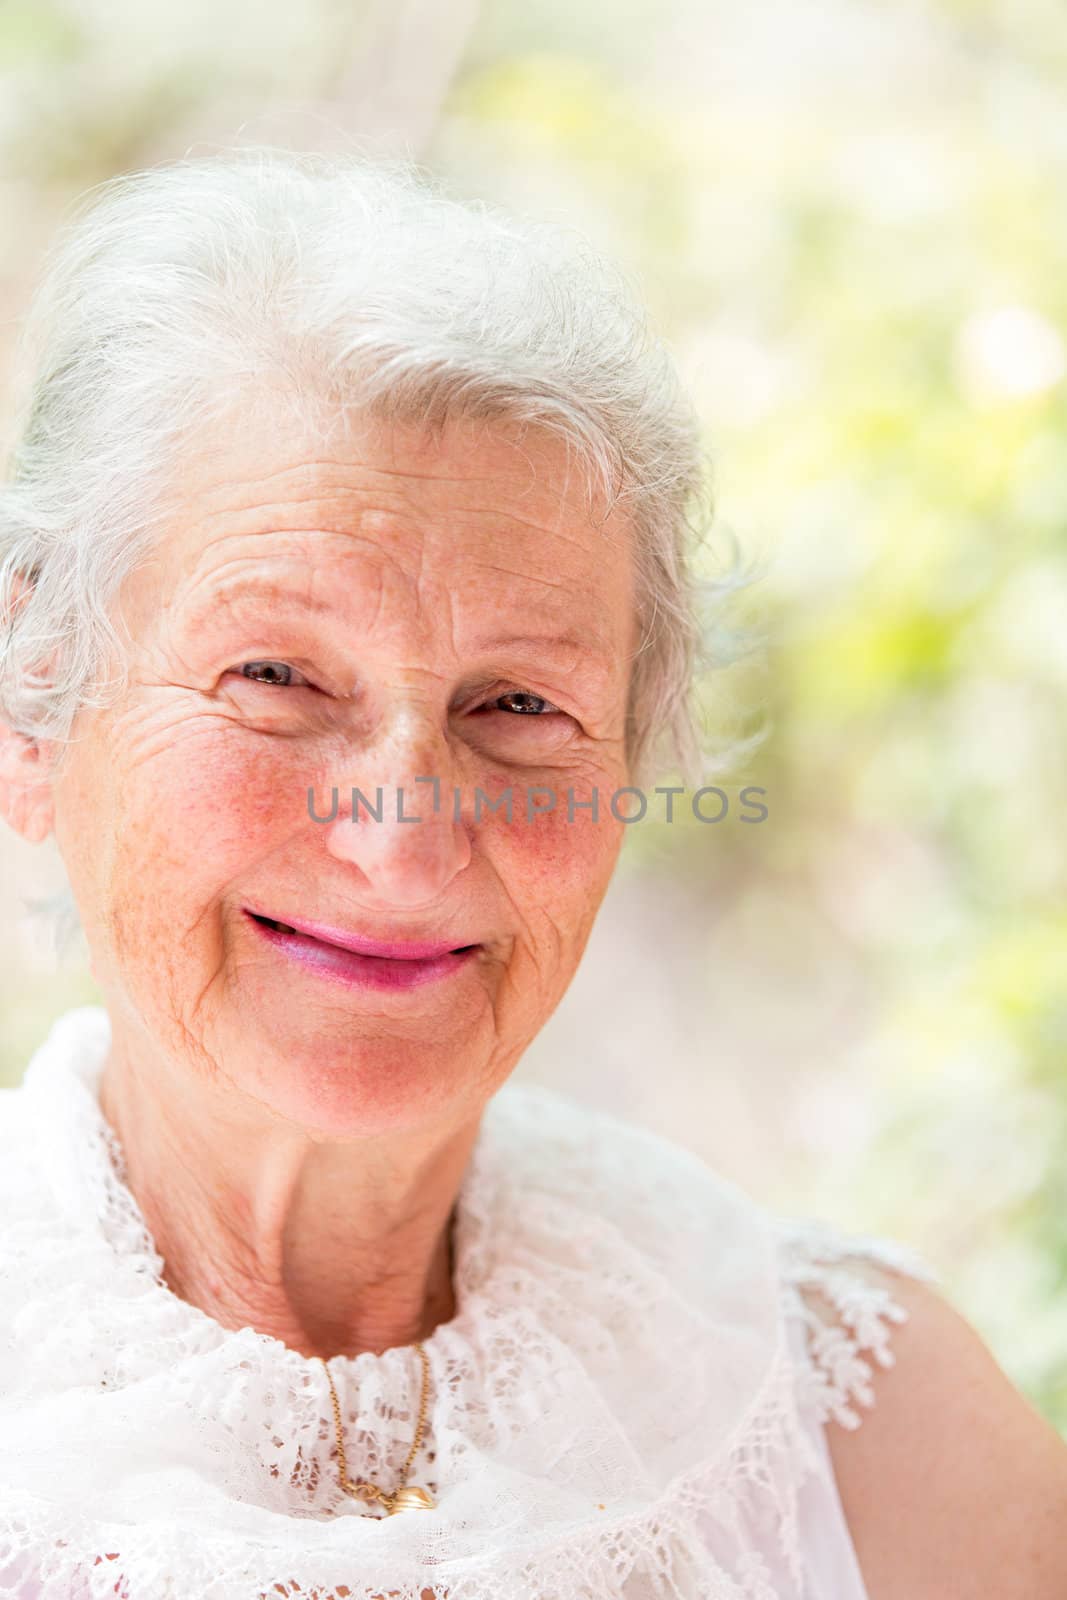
<point x="395" y="608"/>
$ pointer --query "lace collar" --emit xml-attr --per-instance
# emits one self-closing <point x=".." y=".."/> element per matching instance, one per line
<point x="611" y="1407"/>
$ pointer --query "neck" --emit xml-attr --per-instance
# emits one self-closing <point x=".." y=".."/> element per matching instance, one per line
<point x="332" y="1247"/>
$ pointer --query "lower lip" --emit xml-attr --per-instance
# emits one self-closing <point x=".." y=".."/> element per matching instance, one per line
<point x="362" y="972"/>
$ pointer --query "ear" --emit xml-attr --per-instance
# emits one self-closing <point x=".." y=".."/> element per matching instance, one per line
<point x="26" y="783"/>
<point x="26" y="763"/>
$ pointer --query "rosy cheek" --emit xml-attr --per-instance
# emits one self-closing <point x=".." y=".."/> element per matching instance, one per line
<point x="195" y="816"/>
<point x="240" y="792"/>
<point x="559" y="857"/>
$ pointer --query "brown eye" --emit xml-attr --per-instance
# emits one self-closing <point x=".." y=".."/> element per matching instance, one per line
<point x="274" y="673"/>
<point x="538" y="707"/>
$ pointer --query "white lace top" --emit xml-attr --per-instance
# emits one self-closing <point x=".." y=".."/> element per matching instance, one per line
<point x="629" y="1401"/>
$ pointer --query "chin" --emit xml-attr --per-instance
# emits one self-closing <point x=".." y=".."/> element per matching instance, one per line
<point x="365" y="1083"/>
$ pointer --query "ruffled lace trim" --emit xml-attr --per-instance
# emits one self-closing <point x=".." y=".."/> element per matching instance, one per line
<point x="849" y="1319"/>
<point x="722" y="1532"/>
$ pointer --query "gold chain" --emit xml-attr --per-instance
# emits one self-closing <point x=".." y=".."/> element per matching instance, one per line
<point x="403" y="1497"/>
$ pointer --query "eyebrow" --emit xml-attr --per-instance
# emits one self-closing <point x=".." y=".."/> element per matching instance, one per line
<point x="293" y="599"/>
<point x="530" y="643"/>
<point x="223" y="599"/>
<point x="577" y="645"/>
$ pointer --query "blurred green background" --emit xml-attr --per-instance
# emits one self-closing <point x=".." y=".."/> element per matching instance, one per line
<point x="848" y="220"/>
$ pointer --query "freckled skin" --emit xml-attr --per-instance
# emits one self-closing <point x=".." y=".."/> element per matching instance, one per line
<point x="186" y="800"/>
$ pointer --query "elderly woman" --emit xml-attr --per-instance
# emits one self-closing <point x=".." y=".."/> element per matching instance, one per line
<point x="346" y="580"/>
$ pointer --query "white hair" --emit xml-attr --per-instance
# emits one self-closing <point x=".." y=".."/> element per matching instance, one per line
<point x="356" y="282"/>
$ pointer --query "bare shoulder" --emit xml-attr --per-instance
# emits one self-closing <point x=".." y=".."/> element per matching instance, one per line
<point x="953" y="1485"/>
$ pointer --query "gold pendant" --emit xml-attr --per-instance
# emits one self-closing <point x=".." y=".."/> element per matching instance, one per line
<point x="411" y="1498"/>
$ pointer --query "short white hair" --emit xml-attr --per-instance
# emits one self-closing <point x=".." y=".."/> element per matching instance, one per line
<point x="356" y="282"/>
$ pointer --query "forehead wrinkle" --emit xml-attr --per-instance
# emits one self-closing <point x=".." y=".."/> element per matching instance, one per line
<point x="559" y="528"/>
<point x="415" y="539"/>
<point x="516" y="575"/>
<point x="366" y="551"/>
<point x="231" y="599"/>
<point x="359" y="548"/>
<point x="315" y="468"/>
<point x="266" y="497"/>
<point x="310" y="587"/>
<point x="274" y="516"/>
<point x="332" y="479"/>
<point x="409" y="524"/>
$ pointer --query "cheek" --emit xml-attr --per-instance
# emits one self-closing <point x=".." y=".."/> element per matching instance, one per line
<point x="556" y="867"/>
<point x="188" y="822"/>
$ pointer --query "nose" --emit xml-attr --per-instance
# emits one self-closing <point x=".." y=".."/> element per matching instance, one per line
<point x="407" y="849"/>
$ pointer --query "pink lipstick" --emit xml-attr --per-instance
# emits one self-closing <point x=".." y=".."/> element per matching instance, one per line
<point x="365" y="963"/>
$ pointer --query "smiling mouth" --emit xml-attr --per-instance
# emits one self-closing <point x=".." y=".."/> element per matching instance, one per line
<point x="364" y="948"/>
<point x="336" y="956"/>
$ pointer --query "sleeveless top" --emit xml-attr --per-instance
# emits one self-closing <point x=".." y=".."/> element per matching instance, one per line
<point x="630" y="1402"/>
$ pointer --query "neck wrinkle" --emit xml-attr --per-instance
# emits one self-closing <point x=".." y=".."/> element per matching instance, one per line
<point x="333" y="1248"/>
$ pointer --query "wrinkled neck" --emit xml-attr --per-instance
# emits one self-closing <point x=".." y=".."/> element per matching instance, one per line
<point x="332" y="1247"/>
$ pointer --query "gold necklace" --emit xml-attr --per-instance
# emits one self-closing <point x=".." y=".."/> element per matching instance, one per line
<point x="406" y="1497"/>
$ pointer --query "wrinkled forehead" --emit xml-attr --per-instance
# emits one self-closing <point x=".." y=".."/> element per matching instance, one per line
<point x="475" y="514"/>
<point x="470" y="490"/>
<point x="474" y="457"/>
